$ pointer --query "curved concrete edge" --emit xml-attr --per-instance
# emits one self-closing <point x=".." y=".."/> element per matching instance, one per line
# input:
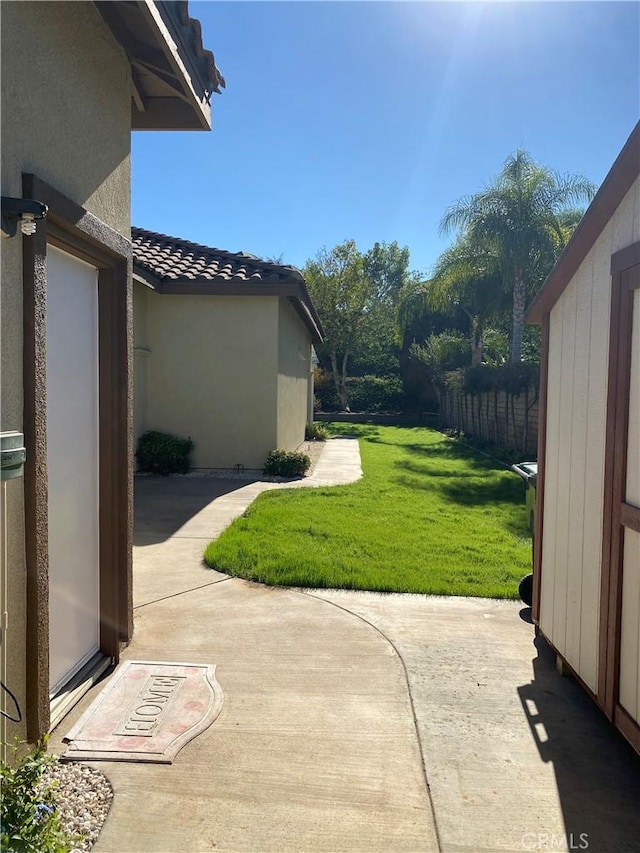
<point x="338" y="465"/>
<point x="314" y="750"/>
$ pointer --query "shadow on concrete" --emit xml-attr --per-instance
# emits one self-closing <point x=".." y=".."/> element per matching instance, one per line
<point x="164" y="504"/>
<point x="597" y="772"/>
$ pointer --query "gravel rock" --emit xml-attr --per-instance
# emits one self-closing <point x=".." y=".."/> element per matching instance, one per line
<point x="83" y="797"/>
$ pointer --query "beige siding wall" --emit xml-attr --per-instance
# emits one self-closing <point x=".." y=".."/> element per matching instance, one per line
<point x="574" y="472"/>
<point x="212" y="374"/>
<point x="630" y="618"/>
<point x="66" y="103"/>
<point x="294" y="376"/>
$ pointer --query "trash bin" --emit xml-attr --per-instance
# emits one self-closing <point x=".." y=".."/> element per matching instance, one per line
<point x="529" y="473"/>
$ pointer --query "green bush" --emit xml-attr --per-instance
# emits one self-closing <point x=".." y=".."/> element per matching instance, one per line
<point x="365" y="393"/>
<point x="325" y="392"/>
<point x="160" y="453"/>
<point x="283" y="463"/>
<point x="28" y="813"/>
<point x="513" y="379"/>
<point x="316" y="432"/>
<point x="374" y="393"/>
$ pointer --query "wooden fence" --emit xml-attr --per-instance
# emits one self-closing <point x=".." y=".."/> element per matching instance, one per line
<point x="505" y="420"/>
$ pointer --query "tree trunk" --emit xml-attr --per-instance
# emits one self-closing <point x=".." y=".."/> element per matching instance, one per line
<point x="339" y="380"/>
<point x="477" y="343"/>
<point x="517" y="325"/>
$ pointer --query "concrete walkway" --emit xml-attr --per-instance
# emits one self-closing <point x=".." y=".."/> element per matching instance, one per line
<point x="354" y="721"/>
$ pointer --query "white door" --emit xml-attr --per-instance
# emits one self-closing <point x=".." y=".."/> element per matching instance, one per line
<point x="72" y="460"/>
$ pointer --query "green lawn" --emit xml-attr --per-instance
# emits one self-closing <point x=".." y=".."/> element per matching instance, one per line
<point x="429" y="516"/>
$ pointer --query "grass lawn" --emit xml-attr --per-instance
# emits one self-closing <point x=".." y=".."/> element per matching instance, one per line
<point x="429" y="516"/>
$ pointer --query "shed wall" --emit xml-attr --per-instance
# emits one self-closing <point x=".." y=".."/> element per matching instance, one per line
<point x="212" y="374"/>
<point x="294" y="376"/>
<point x="575" y="443"/>
<point x="630" y="616"/>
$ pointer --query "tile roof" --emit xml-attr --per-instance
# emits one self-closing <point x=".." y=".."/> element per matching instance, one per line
<point x="191" y="30"/>
<point x="172" y="265"/>
<point x="170" y="259"/>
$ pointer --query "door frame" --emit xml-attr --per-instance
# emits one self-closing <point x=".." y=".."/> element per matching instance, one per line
<point x="625" y="280"/>
<point x="70" y="227"/>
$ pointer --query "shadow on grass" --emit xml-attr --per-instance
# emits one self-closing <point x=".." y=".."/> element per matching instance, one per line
<point x="347" y="430"/>
<point x="461" y="487"/>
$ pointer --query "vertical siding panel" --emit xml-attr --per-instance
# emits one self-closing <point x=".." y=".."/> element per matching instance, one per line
<point x="600" y="257"/>
<point x="551" y="473"/>
<point x="623" y="220"/>
<point x="560" y="612"/>
<point x="630" y="639"/>
<point x="633" y="437"/>
<point x="630" y="626"/>
<point x="583" y="283"/>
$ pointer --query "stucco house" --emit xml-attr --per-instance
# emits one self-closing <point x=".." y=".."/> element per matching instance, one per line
<point x="587" y="543"/>
<point x="77" y="77"/>
<point x="223" y="350"/>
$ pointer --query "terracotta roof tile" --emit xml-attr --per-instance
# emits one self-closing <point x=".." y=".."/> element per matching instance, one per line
<point x="170" y="258"/>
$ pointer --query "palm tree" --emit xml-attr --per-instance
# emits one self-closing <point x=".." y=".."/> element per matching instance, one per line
<point x="466" y="278"/>
<point x="522" y="219"/>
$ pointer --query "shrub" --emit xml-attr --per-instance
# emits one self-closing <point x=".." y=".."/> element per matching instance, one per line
<point x="365" y="393"/>
<point x="446" y="351"/>
<point x="316" y="432"/>
<point x="29" y="816"/>
<point x="325" y="391"/>
<point x="160" y="453"/>
<point x="374" y="393"/>
<point x="283" y="463"/>
<point x="513" y="379"/>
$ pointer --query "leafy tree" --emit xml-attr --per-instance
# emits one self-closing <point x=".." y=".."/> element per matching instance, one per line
<point x="386" y="265"/>
<point x="342" y="294"/>
<point x="356" y="296"/>
<point x="523" y="218"/>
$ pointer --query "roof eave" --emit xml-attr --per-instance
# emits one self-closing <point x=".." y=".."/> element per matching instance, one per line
<point x="292" y="289"/>
<point x="155" y="49"/>
<point x="178" y="56"/>
<point x="615" y="186"/>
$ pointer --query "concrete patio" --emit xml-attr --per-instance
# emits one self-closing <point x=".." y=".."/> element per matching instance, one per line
<point x="355" y="721"/>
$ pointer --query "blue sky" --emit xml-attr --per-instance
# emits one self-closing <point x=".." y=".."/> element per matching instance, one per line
<point x="366" y="120"/>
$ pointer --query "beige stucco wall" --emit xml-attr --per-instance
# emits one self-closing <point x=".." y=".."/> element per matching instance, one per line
<point x="574" y="464"/>
<point x="294" y="376"/>
<point x="213" y="375"/>
<point x="141" y="354"/>
<point x="66" y="118"/>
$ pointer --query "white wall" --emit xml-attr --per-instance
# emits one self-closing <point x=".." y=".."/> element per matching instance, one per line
<point x="574" y="464"/>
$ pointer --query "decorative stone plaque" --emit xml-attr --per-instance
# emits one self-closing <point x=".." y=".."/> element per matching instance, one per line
<point x="147" y="712"/>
